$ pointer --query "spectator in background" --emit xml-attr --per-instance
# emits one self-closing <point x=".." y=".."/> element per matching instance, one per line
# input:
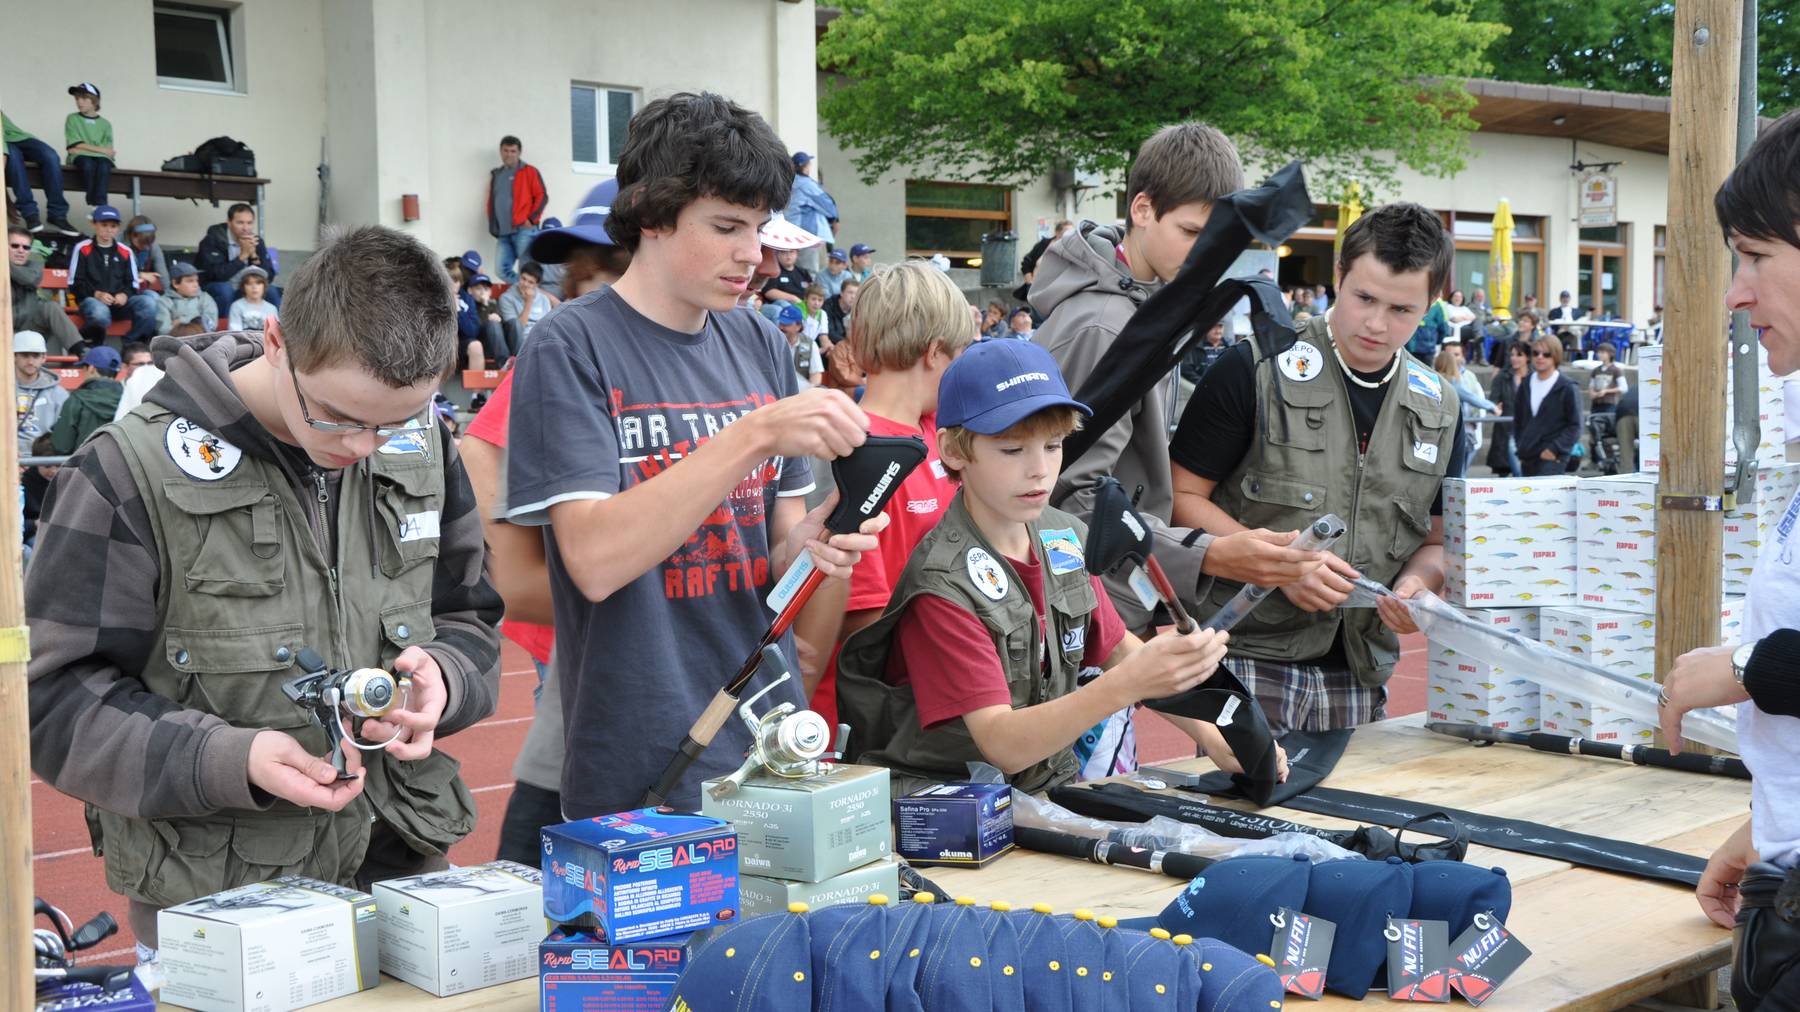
<point x="22" y="147"/>
<point x="31" y="309"/>
<point x="526" y="302"/>
<point x="185" y="302"/>
<point x="1018" y="325"/>
<point x="89" y="139"/>
<point x="92" y="404"/>
<point x="1607" y="383"/>
<point x="1514" y="368"/>
<point x="152" y="266"/>
<point x="812" y="311"/>
<point x="787" y="287"/>
<point x="811" y="208"/>
<point x="807" y="362"/>
<point x="837" y="271"/>
<point x="1430" y="333"/>
<point x="103" y="278"/>
<point x="138" y="375"/>
<point x="39" y="397"/>
<point x="552" y="280"/>
<point x="1320" y="301"/>
<point x="226" y="250"/>
<point x="453" y="267"/>
<point x="1546" y="413"/>
<point x="993" y="321"/>
<point x="840" y="309"/>
<point x="1458" y="315"/>
<point x="515" y="202"/>
<point x="1202" y="356"/>
<point x="1563" y="312"/>
<point x="1028" y="264"/>
<point x="34" y="485"/>
<point x="135" y="356"/>
<point x="862" y="261"/>
<point x="1449" y="364"/>
<point x="480" y="326"/>
<point x="252" y="311"/>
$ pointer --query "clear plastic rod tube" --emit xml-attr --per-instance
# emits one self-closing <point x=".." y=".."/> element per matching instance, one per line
<point x="1319" y="537"/>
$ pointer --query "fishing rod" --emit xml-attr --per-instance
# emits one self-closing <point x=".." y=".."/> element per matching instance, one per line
<point x="1167" y="862"/>
<point x="1556" y="744"/>
<point x="1318" y="536"/>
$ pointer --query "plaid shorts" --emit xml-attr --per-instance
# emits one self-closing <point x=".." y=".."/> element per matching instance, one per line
<point x="1306" y="697"/>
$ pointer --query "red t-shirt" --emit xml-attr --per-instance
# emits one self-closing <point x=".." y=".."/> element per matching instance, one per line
<point x="923" y="498"/>
<point x="489" y="426"/>
<point x="947" y="656"/>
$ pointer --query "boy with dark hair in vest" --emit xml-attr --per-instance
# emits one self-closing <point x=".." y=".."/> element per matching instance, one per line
<point x="977" y="654"/>
<point x="273" y="492"/>
<point x="1345" y="422"/>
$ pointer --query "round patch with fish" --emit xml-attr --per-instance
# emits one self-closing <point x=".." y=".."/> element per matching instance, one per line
<point x="1301" y="362"/>
<point x="199" y="453"/>
<point x="986" y="573"/>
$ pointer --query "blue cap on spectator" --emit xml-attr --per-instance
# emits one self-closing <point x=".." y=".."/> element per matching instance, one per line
<point x="105" y="212"/>
<point x="1232" y="900"/>
<point x="480" y="279"/>
<point x="840" y="256"/>
<point x="182" y="269"/>
<point x="85" y="88"/>
<point x="1045" y="954"/>
<point x="1358" y="896"/>
<point x="861" y="249"/>
<point x="103" y="358"/>
<point x="552" y="223"/>
<point x="1231" y="979"/>
<point x="790" y="314"/>
<point x="586" y="228"/>
<point x="996" y="384"/>
<point x="763" y="964"/>
<point x="471" y="262"/>
<point x="1454" y="892"/>
<point x="801" y="159"/>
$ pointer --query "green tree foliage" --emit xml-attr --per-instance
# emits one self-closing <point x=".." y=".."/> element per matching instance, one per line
<point x="1629" y="45"/>
<point x="1009" y="89"/>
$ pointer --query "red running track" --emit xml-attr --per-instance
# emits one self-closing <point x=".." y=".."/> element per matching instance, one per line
<point x="68" y="874"/>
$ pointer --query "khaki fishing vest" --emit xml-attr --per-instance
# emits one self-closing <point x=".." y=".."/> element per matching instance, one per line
<point x="244" y="585"/>
<point x="1304" y="464"/>
<point x="954" y="562"/>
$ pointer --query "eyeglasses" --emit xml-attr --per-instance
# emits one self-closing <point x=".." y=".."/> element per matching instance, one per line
<point x="348" y="428"/>
<point x="18" y="245"/>
<point x="1541" y="354"/>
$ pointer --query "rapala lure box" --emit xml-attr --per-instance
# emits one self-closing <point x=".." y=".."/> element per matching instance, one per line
<point x="957" y="825"/>
<point x="641" y="874"/>
<point x="268" y="947"/>
<point x="579" y="971"/>
<point x="461" y="929"/>
<point x="808" y="828"/>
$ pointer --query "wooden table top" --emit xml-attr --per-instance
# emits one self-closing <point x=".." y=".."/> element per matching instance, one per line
<point x="1599" y="940"/>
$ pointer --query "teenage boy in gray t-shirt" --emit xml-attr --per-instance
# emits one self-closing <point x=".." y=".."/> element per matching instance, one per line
<point x="659" y="432"/>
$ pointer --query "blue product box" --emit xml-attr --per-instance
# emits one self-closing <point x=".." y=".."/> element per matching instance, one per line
<point x="75" y="995"/>
<point x="580" y="971"/>
<point x="954" y="825"/>
<point x="641" y="874"/>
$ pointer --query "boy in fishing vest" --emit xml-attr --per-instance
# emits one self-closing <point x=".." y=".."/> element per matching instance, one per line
<point x="274" y="492"/>
<point x="976" y="656"/>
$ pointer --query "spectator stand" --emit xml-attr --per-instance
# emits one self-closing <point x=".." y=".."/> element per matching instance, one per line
<point x="140" y="183"/>
<point x="56" y="279"/>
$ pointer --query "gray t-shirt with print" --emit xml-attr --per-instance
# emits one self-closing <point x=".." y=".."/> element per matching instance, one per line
<point x="605" y="399"/>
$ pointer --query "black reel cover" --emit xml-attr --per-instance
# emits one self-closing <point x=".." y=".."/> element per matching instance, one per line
<point x="1116" y="532"/>
<point x="869" y="476"/>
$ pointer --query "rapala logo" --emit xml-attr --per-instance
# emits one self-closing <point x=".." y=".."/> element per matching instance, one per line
<point x="1596" y="598"/>
<point x="1614" y="503"/>
<point x="1604" y="626"/>
<point x="881" y="487"/>
<point x="1466" y="667"/>
<point x="1481" y="489"/>
<point x="1543" y="555"/>
<point x="1481" y="597"/>
<point x="1629" y="545"/>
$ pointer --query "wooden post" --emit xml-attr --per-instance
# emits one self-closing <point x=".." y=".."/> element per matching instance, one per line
<point x="17" y="988"/>
<point x="1703" y="118"/>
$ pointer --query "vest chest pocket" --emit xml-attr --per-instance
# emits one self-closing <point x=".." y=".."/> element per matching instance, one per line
<point x="237" y="673"/>
<point x="408" y="504"/>
<point x="405" y="625"/>
<point x="229" y="540"/>
<point x="1427" y="449"/>
<point x="1299" y="413"/>
<point x="1409" y="531"/>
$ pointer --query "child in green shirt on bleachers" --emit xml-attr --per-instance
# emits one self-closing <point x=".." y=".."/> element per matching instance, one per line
<point x="89" y="140"/>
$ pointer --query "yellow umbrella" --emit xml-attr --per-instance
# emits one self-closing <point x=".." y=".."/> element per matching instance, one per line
<point x="1500" y="261"/>
<point x="1349" y="210"/>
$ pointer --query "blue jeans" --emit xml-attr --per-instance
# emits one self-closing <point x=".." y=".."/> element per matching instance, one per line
<point x="512" y="252"/>
<point x="96" y="175"/>
<point x="141" y="306"/>
<point x="49" y="163"/>
<point x="224" y="293"/>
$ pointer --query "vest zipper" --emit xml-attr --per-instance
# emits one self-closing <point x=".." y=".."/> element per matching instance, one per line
<point x="321" y="500"/>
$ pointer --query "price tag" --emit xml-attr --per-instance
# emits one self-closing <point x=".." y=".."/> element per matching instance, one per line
<point x="1483" y="957"/>
<point x="1304" y="944"/>
<point x="1418" y="960"/>
<point x="1140" y="584"/>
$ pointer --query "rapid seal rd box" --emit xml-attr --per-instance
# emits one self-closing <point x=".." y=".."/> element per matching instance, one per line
<point x="641" y="874"/>
<point x="809" y="828"/>
<point x="268" y="947"/>
<point x="457" y="930"/>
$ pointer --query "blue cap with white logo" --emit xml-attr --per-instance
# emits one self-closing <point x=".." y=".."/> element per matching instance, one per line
<point x="586" y="228"/>
<point x="789" y="314"/>
<point x="997" y="384"/>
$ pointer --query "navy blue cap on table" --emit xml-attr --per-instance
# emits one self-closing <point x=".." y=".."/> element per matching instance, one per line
<point x="1358" y="896"/>
<point x="861" y="249"/>
<point x="997" y="384"/>
<point x="1232" y="900"/>
<point x="1454" y="892"/>
<point x="471" y="262"/>
<point x="85" y="88"/>
<point x="105" y="212"/>
<point x="554" y="243"/>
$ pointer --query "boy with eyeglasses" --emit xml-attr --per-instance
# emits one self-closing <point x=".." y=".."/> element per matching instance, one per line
<point x="274" y="492"/>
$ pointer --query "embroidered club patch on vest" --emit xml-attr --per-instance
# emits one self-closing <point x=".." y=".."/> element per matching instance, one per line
<point x="1423" y="380"/>
<point x="986" y="573"/>
<point x="406" y="442"/>
<point x="1301" y="362"/>
<point x="199" y="453"/>
<point x="1063" y="549"/>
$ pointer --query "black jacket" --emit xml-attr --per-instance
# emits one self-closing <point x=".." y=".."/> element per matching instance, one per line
<point x="94" y="268"/>
<point x="217" y="256"/>
<point x="1501" y="392"/>
<point x="837" y="320"/>
<point x="1556" y="425"/>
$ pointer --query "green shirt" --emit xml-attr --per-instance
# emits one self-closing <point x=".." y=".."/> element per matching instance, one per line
<point x="13" y="133"/>
<point x="95" y="130"/>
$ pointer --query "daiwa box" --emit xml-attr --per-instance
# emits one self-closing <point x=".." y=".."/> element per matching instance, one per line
<point x="580" y="971"/>
<point x="267" y="947"/>
<point x="808" y="828"/>
<point x="465" y="928"/>
<point x="1462" y="689"/>
<point x="773" y="895"/>
<point x="641" y="874"/>
<point x="958" y="825"/>
<point x="1509" y="542"/>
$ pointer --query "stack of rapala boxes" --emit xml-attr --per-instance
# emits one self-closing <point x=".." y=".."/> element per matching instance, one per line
<point x="631" y="892"/>
<point x="1619" y="641"/>
<point x="1771" y="407"/>
<point x="821" y="840"/>
<point x="1509" y="542"/>
<point x="1463" y="690"/>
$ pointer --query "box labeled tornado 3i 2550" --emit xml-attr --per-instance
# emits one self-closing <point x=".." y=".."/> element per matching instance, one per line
<point x="641" y="874"/>
<point x="465" y="928"/>
<point x="808" y="828"/>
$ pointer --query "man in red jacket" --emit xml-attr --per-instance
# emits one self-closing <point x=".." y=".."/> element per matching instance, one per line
<point x="515" y="203"/>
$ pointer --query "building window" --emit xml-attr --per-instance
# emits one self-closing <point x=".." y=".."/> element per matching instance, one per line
<point x="193" y="47"/>
<point x="598" y="118"/>
<point x="1603" y="276"/>
<point x="1474" y="233"/>
<point x="951" y="218"/>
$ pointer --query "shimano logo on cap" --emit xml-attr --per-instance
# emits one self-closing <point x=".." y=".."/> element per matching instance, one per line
<point x="1024" y="377"/>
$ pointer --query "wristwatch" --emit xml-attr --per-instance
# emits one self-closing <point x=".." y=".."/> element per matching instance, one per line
<point x="1740" y="659"/>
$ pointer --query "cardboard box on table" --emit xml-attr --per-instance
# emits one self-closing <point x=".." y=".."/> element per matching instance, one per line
<point x="458" y="930"/>
<point x="1509" y="542"/>
<point x="808" y="829"/>
<point x="772" y="895"/>
<point x="1618" y="641"/>
<point x="580" y="971"/>
<point x="270" y="946"/>
<point x="1464" y="690"/>
<point x="641" y="874"/>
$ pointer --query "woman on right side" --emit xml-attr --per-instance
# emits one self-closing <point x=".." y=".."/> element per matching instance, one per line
<point x="1546" y="412"/>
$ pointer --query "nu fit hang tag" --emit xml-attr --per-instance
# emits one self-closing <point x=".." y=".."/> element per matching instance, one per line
<point x="1303" y="946"/>
<point x="1418" y="963"/>
<point x="1483" y="957"/>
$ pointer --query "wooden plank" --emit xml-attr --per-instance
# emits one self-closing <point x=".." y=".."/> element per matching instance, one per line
<point x="181" y="185"/>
